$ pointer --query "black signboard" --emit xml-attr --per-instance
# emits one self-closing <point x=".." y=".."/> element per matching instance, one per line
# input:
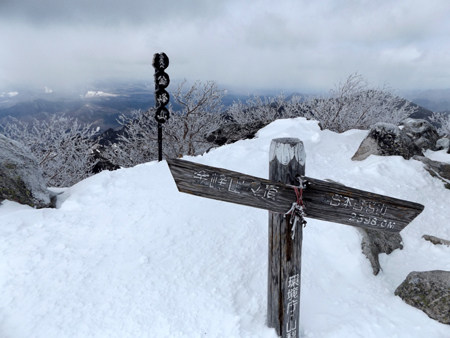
<point x="162" y="115"/>
<point x="160" y="61"/>
<point x="161" y="97"/>
<point x="162" y="80"/>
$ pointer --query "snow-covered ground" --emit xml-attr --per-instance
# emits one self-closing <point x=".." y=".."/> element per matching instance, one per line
<point x="126" y="255"/>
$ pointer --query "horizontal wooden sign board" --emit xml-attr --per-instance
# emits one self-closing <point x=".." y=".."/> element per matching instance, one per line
<point x="323" y="200"/>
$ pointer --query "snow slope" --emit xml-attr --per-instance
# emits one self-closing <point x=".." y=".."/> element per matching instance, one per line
<point x="127" y="255"/>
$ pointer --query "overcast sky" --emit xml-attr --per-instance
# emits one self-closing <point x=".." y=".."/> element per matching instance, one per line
<point x="298" y="45"/>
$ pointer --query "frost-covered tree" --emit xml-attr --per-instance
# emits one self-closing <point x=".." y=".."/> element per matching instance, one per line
<point x="138" y="141"/>
<point x="444" y="121"/>
<point x="63" y="147"/>
<point x="183" y="134"/>
<point x="257" y="108"/>
<point x="354" y="104"/>
<point x="201" y="108"/>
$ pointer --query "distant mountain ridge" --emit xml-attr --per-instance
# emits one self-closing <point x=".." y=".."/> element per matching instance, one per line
<point x="437" y="100"/>
<point x="102" y="104"/>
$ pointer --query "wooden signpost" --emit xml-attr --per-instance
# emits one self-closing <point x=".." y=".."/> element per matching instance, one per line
<point x="160" y="63"/>
<point x="290" y="196"/>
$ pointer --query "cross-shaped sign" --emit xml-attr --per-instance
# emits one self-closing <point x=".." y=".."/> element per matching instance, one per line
<point x="317" y="199"/>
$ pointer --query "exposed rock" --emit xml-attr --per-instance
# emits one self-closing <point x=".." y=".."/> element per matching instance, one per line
<point x="428" y="291"/>
<point x="232" y="132"/>
<point x="436" y="240"/>
<point x="386" y="140"/>
<point x="436" y="169"/>
<point x="375" y="242"/>
<point x="443" y="143"/>
<point x="422" y="132"/>
<point x="21" y="179"/>
<point x="102" y="163"/>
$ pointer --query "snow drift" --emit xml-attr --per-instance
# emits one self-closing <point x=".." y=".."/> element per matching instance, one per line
<point x="127" y="255"/>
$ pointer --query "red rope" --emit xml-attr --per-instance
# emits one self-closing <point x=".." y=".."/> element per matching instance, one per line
<point x="299" y="195"/>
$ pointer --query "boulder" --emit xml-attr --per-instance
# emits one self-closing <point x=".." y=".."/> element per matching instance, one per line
<point x="443" y="144"/>
<point x="437" y="169"/>
<point x="436" y="240"/>
<point x="428" y="291"/>
<point x="387" y="140"/>
<point x="375" y="242"/>
<point x="422" y="132"/>
<point x="21" y="179"/>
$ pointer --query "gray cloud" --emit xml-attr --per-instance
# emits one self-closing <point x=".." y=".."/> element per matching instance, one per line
<point x="299" y="45"/>
<point x="107" y="12"/>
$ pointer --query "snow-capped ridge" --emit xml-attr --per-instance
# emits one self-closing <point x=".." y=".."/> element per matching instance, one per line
<point x="9" y="94"/>
<point x="91" y="94"/>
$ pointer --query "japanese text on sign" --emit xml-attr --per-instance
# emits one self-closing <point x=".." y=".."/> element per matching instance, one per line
<point x="222" y="182"/>
<point x="358" y="205"/>
<point x="163" y="98"/>
<point x="162" y="80"/>
<point x="366" y="212"/>
<point x="293" y="289"/>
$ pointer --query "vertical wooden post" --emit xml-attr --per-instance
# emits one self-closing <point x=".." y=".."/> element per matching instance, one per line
<point x="286" y="163"/>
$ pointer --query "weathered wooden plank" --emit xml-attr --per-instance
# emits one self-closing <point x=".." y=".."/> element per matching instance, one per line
<point x="323" y="200"/>
<point x="286" y="163"/>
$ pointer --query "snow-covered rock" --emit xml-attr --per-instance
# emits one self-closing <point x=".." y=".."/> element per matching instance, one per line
<point x="428" y="291"/>
<point x="422" y="132"/>
<point x="436" y="240"/>
<point x="437" y="169"/>
<point x="21" y="179"/>
<point x="377" y="242"/>
<point x="386" y="140"/>
<point x="443" y="143"/>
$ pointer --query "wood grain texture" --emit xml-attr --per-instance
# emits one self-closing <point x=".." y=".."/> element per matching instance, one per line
<point x="324" y="200"/>
<point x="287" y="162"/>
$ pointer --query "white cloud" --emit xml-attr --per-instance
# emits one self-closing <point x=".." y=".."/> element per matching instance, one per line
<point x="401" y="55"/>
<point x="297" y="45"/>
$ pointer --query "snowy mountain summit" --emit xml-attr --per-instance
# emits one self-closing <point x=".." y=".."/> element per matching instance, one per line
<point x="126" y="255"/>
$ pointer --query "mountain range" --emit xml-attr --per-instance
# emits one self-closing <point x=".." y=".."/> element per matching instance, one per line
<point x="101" y="104"/>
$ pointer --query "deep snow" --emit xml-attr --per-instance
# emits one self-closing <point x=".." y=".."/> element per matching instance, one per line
<point x="127" y="255"/>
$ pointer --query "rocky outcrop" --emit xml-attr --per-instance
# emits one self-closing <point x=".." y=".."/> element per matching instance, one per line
<point x="428" y="291"/>
<point x="422" y="133"/>
<point x="21" y="179"/>
<point x="387" y="140"/>
<point x="375" y="242"/>
<point x="436" y="169"/>
<point x="436" y="240"/>
<point x="443" y="144"/>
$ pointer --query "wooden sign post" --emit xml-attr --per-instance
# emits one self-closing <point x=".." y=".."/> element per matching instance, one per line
<point x="160" y="63"/>
<point x="288" y="199"/>
<point x="286" y="165"/>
